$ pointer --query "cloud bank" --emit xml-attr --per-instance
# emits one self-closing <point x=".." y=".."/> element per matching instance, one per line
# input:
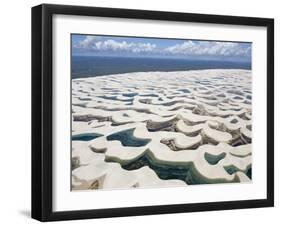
<point x="99" y="44"/>
<point x="208" y="48"/>
<point x="94" y="44"/>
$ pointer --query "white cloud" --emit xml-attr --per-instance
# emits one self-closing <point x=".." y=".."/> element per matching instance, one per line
<point x="187" y="48"/>
<point x="92" y="43"/>
<point x="87" y="42"/>
<point x="206" y="48"/>
<point x="111" y="45"/>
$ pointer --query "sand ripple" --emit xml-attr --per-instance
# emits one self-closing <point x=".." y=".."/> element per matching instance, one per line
<point x="158" y="129"/>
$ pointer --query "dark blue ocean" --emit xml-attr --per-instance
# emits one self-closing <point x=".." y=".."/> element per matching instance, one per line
<point x="90" y="66"/>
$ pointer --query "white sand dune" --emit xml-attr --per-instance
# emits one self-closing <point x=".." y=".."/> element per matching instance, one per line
<point x="159" y="129"/>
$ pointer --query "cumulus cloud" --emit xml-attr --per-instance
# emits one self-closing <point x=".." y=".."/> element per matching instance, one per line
<point x="186" y="48"/>
<point x="92" y="43"/>
<point x="87" y="42"/>
<point x="206" y="48"/>
<point x="111" y="45"/>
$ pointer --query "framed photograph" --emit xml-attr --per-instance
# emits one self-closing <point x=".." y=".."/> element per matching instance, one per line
<point x="145" y="112"/>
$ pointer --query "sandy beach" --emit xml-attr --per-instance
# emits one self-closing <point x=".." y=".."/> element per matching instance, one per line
<point x="160" y="129"/>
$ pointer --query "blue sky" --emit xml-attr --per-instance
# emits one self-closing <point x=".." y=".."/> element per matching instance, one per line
<point x="91" y="45"/>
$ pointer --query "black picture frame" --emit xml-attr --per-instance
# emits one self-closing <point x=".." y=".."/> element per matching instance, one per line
<point x="42" y="107"/>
